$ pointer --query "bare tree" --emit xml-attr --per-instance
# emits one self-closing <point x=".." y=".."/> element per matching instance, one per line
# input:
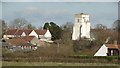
<point x="101" y="26"/>
<point x="68" y="25"/>
<point x="30" y="26"/>
<point x="67" y="33"/>
<point x="4" y="27"/>
<point x="116" y="26"/>
<point x="19" y="23"/>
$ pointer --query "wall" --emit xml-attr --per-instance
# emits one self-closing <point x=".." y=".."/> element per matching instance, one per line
<point x="102" y="51"/>
<point x="7" y="36"/>
<point x="33" y="33"/>
<point x="35" y="41"/>
<point x="48" y="35"/>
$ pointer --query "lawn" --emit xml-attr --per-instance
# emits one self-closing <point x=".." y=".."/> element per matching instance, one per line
<point x="6" y="63"/>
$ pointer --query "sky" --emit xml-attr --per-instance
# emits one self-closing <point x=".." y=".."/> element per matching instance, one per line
<point x="60" y="0"/>
<point x="60" y="12"/>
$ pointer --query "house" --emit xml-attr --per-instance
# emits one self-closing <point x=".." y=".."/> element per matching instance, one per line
<point x="32" y="39"/>
<point x="22" y="33"/>
<point x="20" y="44"/>
<point x="10" y="33"/>
<point x="27" y="31"/>
<point x="108" y="50"/>
<point x="27" y="39"/>
<point x="43" y="35"/>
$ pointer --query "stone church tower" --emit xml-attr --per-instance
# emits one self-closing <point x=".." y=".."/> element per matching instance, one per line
<point x="81" y="28"/>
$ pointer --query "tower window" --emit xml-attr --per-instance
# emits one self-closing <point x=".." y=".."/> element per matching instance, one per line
<point x="78" y="20"/>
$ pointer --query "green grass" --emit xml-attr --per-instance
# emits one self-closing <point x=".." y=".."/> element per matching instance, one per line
<point x="5" y="63"/>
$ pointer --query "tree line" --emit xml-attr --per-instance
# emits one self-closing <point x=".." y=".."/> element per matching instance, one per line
<point x="62" y="34"/>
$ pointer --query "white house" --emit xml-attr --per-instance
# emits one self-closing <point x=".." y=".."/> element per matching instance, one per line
<point x="81" y="28"/>
<point x="47" y="36"/>
<point x="43" y="35"/>
<point x="108" y="50"/>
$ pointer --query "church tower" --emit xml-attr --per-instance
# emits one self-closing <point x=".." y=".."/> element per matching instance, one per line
<point x="81" y="28"/>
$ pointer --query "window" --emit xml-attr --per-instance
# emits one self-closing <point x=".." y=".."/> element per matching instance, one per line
<point x="78" y="20"/>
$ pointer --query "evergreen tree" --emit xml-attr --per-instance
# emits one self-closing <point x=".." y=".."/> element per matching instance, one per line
<point x="54" y="29"/>
<point x="46" y="25"/>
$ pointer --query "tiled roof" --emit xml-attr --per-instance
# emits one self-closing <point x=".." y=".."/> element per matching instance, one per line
<point x="27" y="31"/>
<point x="20" y="40"/>
<point x="28" y="38"/>
<point x="16" y="41"/>
<point x="113" y="46"/>
<point x="40" y="32"/>
<point x="18" y="32"/>
<point x="10" y="31"/>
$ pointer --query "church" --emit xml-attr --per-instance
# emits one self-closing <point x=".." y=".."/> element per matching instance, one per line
<point x="81" y="28"/>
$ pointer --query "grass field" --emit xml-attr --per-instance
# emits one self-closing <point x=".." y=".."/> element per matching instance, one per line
<point x="5" y="63"/>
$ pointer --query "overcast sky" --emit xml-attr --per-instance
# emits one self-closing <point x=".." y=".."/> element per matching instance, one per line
<point x="60" y="0"/>
<point x="60" y="12"/>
